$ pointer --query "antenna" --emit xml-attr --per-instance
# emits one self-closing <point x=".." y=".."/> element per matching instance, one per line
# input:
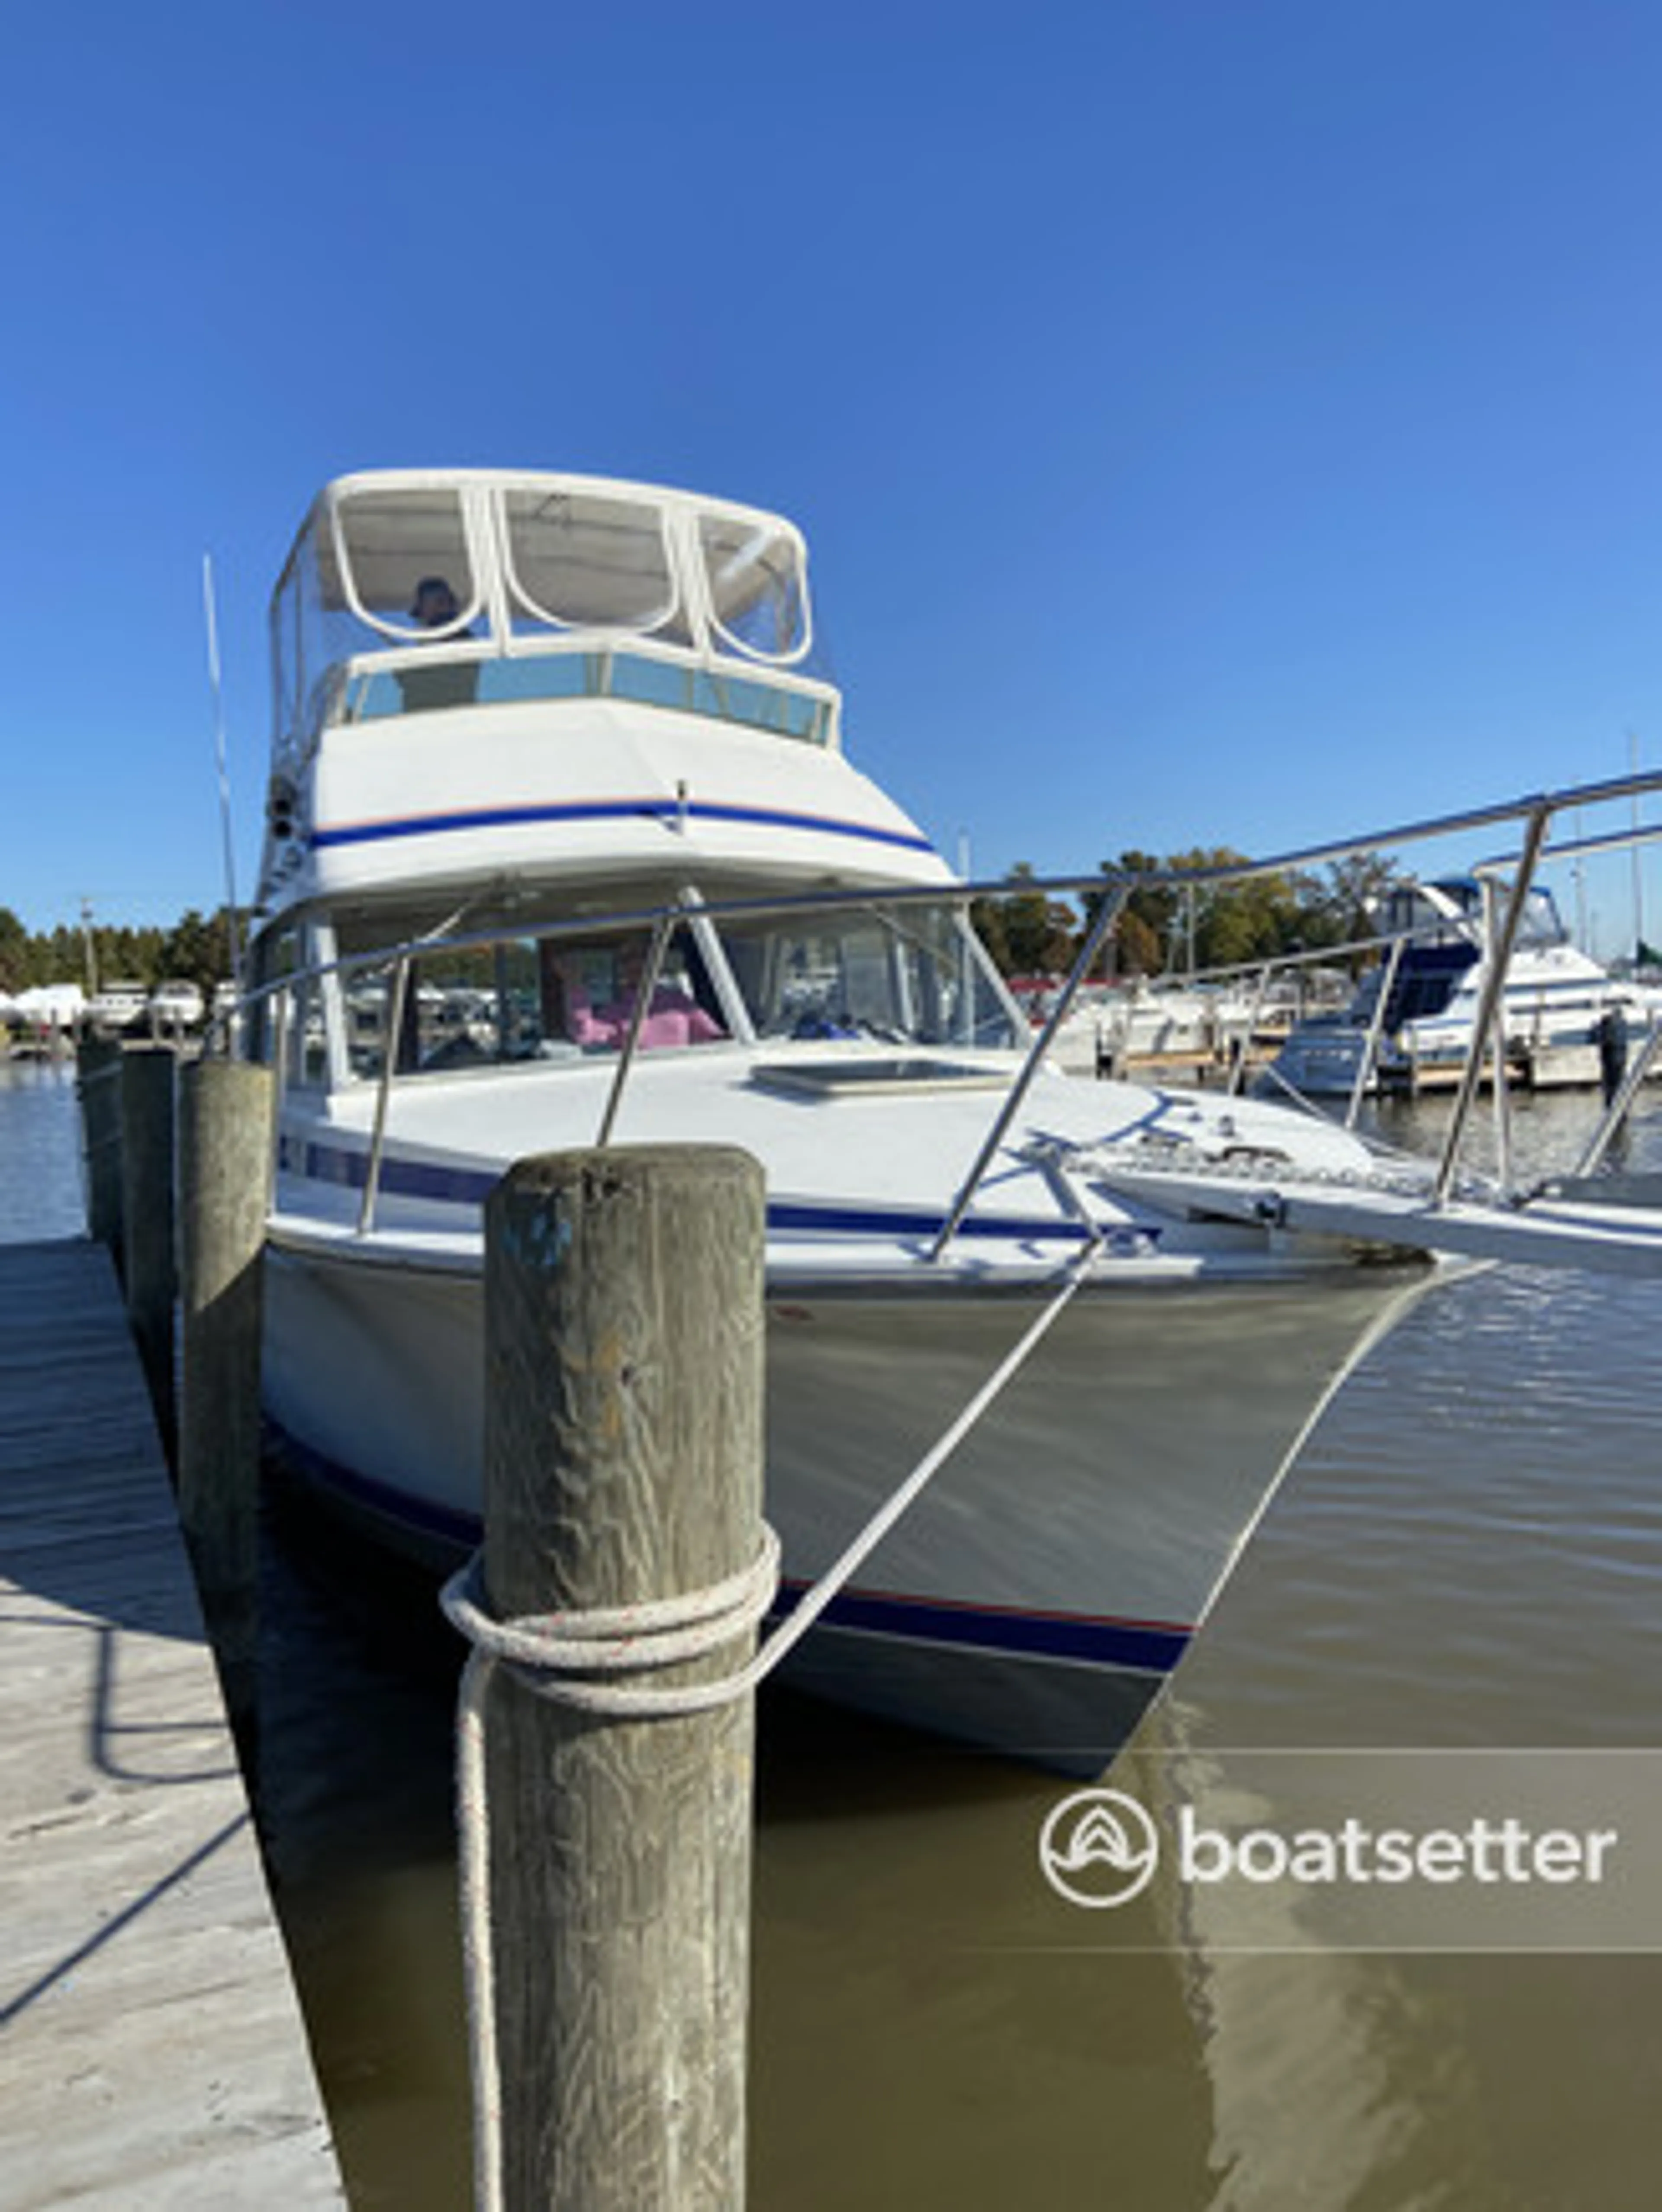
<point x="218" y="690"/>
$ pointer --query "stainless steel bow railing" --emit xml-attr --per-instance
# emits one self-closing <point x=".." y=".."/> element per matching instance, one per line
<point x="1112" y="888"/>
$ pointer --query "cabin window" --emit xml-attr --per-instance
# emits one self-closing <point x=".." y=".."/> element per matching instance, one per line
<point x="590" y="987"/>
<point x="754" y="574"/>
<point x="583" y="561"/>
<point x="385" y="545"/>
<point x="307" y="1055"/>
<point x="902" y="975"/>
<point x="469" y="1007"/>
<point x="522" y="998"/>
<point x="271" y="1013"/>
<point x="363" y="1023"/>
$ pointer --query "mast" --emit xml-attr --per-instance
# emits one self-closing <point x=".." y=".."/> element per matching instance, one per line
<point x="233" y="930"/>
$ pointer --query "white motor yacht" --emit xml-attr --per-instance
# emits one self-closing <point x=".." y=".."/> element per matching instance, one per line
<point x="1559" y="1009"/>
<point x="176" y="1004"/>
<point x="538" y="732"/>
<point x="115" y="1008"/>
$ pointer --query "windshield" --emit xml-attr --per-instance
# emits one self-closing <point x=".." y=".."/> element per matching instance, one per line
<point x="908" y="974"/>
<point x="900" y="974"/>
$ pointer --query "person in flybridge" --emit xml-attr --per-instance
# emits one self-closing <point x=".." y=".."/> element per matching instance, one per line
<point x="435" y="608"/>
<point x="435" y="605"/>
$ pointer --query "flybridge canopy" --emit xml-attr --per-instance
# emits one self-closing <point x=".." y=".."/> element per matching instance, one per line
<point x="533" y="565"/>
<point x="1451" y="910"/>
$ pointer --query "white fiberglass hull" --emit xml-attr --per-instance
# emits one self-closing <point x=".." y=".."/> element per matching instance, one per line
<point x="1037" y="1596"/>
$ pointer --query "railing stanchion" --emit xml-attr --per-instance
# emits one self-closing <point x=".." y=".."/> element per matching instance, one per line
<point x="1498" y="954"/>
<point x="1375" y="1031"/>
<point x="389" y="1061"/>
<point x="649" y="984"/>
<point x="1108" y="915"/>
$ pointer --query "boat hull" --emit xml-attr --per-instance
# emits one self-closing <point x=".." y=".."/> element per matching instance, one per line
<point x="1036" y="1598"/>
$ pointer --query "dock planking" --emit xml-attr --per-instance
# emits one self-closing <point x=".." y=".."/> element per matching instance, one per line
<point x="153" y="2050"/>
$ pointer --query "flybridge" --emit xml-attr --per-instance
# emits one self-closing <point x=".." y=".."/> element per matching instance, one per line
<point x="486" y="675"/>
<point x="410" y="590"/>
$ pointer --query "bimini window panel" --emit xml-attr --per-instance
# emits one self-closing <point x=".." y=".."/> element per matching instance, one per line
<point x="551" y="588"/>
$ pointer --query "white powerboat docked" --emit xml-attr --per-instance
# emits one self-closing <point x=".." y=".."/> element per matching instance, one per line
<point x="1559" y="1010"/>
<point x="1111" y="1024"/>
<point x="563" y="848"/>
<point x="116" y="1008"/>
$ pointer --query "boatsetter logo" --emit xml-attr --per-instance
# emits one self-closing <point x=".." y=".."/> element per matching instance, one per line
<point x="1099" y="1848"/>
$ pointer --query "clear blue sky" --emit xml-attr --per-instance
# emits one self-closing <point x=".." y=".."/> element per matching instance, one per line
<point x="1213" y="420"/>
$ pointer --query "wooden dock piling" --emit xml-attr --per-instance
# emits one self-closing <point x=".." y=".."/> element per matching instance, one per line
<point x="623" y="1465"/>
<point x="224" y="1178"/>
<point x="98" y="1070"/>
<point x="147" y="1189"/>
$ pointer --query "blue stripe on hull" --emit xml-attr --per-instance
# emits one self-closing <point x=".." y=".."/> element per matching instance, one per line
<point x="612" y="810"/>
<point x="343" y="1168"/>
<point x="1149" y="1647"/>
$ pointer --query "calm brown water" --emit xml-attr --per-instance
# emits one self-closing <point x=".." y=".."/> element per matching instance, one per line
<point x="1469" y="1555"/>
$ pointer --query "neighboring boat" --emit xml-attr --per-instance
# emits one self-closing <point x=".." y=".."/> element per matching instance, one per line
<point x="1112" y="1024"/>
<point x="118" y="1007"/>
<point x="534" y="729"/>
<point x="1559" y="1010"/>
<point x="42" y="1021"/>
<point x="176" y="1004"/>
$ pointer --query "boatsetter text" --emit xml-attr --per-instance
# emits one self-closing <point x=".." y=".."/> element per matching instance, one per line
<point x="1484" y="1850"/>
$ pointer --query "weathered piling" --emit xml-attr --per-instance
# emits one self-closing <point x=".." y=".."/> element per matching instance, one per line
<point x="98" y="1070"/>
<point x="623" y="1466"/>
<point x="224" y="1179"/>
<point x="147" y="1212"/>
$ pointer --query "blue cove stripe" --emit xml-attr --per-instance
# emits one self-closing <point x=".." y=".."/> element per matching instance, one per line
<point x="1152" y="1647"/>
<point x="350" y="1170"/>
<point x="428" y="1179"/>
<point x="612" y="810"/>
<point x="1144" y="1647"/>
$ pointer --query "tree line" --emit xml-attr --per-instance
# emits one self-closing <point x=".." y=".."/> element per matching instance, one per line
<point x="1173" y="927"/>
<point x="195" y="949"/>
<point x="1165" y="927"/>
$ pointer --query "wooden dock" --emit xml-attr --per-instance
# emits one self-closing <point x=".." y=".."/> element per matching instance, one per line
<point x="153" y="2047"/>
